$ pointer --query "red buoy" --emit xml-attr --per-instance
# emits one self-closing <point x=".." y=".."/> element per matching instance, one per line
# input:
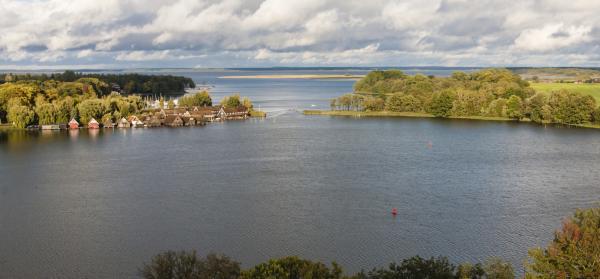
<point x="394" y="211"/>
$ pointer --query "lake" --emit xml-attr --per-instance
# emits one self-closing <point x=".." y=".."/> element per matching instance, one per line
<point x="79" y="204"/>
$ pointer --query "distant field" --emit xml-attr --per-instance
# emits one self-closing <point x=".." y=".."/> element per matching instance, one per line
<point x="584" y="88"/>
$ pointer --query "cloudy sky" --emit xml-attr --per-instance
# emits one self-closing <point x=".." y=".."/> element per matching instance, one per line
<point x="256" y="33"/>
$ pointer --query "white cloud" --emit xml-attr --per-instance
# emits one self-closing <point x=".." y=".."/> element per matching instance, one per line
<point x="552" y="36"/>
<point x="304" y="32"/>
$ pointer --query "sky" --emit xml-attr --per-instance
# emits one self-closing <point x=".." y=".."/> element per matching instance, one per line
<point x="58" y="34"/>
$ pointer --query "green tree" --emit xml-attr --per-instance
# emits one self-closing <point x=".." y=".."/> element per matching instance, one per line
<point x="46" y="113"/>
<point x="18" y="114"/>
<point x="232" y="101"/>
<point x="441" y="104"/>
<point x="470" y="271"/>
<point x="571" y="108"/>
<point x="534" y="107"/>
<point x="199" y="99"/>
<point x="401" y="102"/>
<point x="415" y="267"/>
<point x="370" y="103"/>
<point x="497" y="108"/>
<point x="496" y="268"/>
<point x="514" y="107"/>
<point x="161" y="103"/>
<point x="574" y="251"/>
<point x="91" y="108"/>
<point x="187" y="265"/>
<point x="292" y="268"/>
<point x="247" y="103"/>
<point x="171" y="104"/>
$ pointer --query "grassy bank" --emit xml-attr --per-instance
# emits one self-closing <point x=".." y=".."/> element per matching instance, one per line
<point x="256" y="113"/>
<point x="592" y="89"/>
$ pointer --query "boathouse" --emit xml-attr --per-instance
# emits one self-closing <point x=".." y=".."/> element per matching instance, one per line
<point x="123" y="123"/>
<point x="174" y="121"/>
<point x="73" y="124"/>
<point x="93" y="124"/>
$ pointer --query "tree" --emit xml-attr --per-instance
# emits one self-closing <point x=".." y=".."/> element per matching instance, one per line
<point x="496" y="268"/>
<point x="401" y="102"/>
<point x="198" y="99"/>
<point x="247" y="103"/>
<point x="534" y="107"/>
<point x="574" y="251"/>
<point x="571" y="108"/>
<point x="415" y="267"/>
<point x="514" y="107"/>
<point x="596" y="115"/>
<point x="497" y="108"/>
<point x="441" y="104"/>
<point x="91" y="108"/>
<point x="373" y="104"/>
<point x="292" y="268"/>
<point x="161" y="103"/>
<point x="187" y="265"/>
<point x="46" y="113"/>
<point x="64" y="109"/>
<point x="171" y="104"/>
<point x="469" y="271"/>
<point x="18" y="114"/>
<point x="232" y="101"/>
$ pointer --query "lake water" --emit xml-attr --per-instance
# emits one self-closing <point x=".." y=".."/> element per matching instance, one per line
<point x="97" y="205"/>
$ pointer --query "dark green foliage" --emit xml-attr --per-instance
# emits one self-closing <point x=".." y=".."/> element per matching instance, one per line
<point x="293" y="268"/>
<point x="441" y="104"/>
<point x="514" y="107"/>
<point x="415" y="267"/>
<point x="401" y="102"/>
<point x="129" y="83"/>
<point x="495" y="268"/>
<point x="187" y="265"/>
<point x="534" y="107"/>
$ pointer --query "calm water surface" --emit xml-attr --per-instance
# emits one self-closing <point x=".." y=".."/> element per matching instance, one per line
<point x="75" y="204"/>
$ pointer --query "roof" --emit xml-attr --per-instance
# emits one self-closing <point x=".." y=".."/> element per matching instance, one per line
<point x="73" y="121"/>
<point x="172" y="118"/>
<point x="93" y="121"/>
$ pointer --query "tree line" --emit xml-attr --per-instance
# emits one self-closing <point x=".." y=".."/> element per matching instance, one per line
<point x="573" y="253"/>
<point x="489" y="92"/>
<point x="128" y="83"/>
<point x="30" y="102"/>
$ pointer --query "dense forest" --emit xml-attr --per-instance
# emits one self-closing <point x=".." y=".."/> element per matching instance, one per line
<point x="46" y="101"/>
<point x="573" y="253"/>
<point x="486" y="93"/>
<point x="123" y="83"/>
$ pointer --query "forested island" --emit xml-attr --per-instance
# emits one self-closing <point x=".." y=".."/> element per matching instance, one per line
<point x="490" y="94"/>
<point x="32" y="100"/>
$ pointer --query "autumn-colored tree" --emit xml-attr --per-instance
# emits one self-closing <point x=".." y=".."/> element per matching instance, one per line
<point x="574" y="252"/>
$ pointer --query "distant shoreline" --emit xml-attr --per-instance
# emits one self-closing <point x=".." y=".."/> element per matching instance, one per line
<point x="294" y="77"/>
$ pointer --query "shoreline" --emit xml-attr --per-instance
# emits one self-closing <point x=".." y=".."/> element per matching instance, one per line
<point x="346" y="113"/>
<point x="294" y="77"/>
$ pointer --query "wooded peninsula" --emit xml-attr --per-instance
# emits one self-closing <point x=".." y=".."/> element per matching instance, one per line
<point x="489" y="94"/>
<point x="107" y="100"/>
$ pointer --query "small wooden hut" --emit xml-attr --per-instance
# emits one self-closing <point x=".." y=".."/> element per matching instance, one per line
<point x="73" y="124"/>
<point x="93" y="124"/>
